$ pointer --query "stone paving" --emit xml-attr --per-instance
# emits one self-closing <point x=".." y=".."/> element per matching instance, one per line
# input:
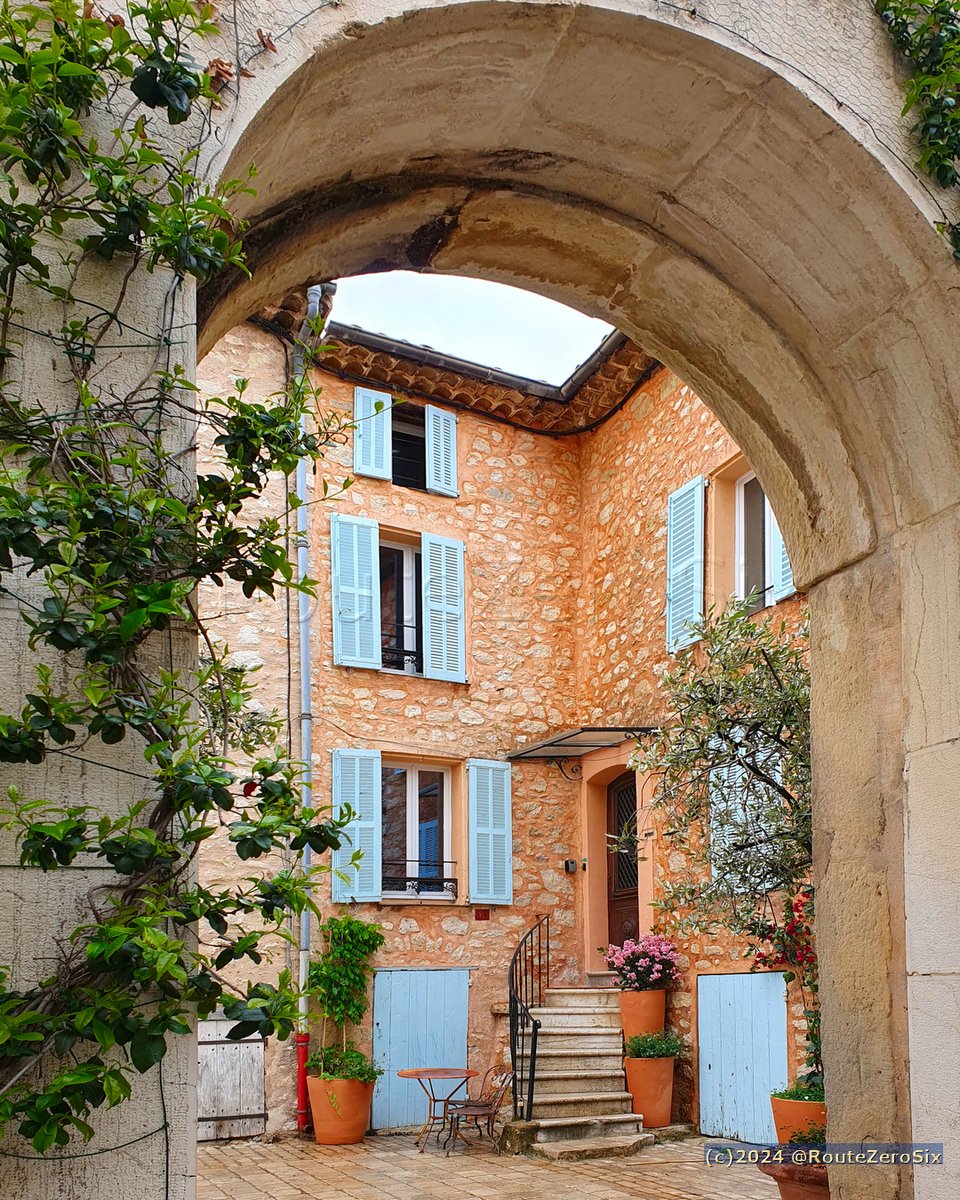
<point x="389" y="1168"/>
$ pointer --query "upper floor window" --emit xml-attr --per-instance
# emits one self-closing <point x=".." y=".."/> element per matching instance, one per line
<point x="398" y="602"/>
<point x="731" y="519"/>
<point x="762" y="565"/>
<point x="414" y="446"/>
<point x="401" y="608"/>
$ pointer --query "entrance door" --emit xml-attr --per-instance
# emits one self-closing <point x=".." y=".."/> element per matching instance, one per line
<point x="742" y="1034"/>
<point x="419" y="1020"/>
<point x="623" y="905"/>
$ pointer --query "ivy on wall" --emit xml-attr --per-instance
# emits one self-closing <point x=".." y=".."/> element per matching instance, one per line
<point x="104" y="541"/>
<point x="927" y="35"/>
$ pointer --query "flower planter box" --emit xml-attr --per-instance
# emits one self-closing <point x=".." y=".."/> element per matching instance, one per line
<point x="642" y="1012"/>
<point x="341" y="1110"/>
<point x="796" y="1116"/>
<point x="796" y="1181"/>
<point x="650" y="1083"/>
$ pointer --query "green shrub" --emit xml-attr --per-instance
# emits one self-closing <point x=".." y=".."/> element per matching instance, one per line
<point x="654" y="1045"/>
<point x="343" y="1062"/>
<point x="813" y="1135"/>
<point x="801" y="1091"/>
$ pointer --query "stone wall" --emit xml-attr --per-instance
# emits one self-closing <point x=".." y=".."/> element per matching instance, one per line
<point x="660" y="440"/>
<point x="566" y="574"/>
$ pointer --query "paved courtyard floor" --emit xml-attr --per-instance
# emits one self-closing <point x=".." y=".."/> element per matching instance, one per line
<point x="390" y="1168"/>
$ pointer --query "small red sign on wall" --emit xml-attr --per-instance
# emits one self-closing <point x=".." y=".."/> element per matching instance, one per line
<point x="481" y="914"/>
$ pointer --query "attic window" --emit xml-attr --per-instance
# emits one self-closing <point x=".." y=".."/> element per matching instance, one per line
<point x="409" y="447"/>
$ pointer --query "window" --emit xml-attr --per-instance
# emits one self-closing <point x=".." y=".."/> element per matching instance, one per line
<point x="410" y="447"/>
<point x="416" y="831"/>
<point x="398" y="842"/>
<point x="414" y="446"/>
<point x="761" y="557"/>
<point x="397" y="604"/>
<point x="401" y="608"/>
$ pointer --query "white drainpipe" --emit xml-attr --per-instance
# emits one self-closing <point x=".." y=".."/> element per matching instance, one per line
<point x="306" y="707"/>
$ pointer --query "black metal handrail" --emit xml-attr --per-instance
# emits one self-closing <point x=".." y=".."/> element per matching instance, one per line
<point x="528" y="980"/>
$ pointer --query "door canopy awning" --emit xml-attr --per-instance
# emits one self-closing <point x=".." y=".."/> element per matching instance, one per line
<point x="577" y="742"/>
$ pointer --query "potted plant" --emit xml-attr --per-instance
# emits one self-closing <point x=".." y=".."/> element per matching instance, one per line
<point x="644" y="970"/>
<point x="649" y="1060"/>
<point x="341" y="1091"/>
<point x="800" y="1180"/>
<point x="341" y="1083"/>
<point x="790" y="944"/>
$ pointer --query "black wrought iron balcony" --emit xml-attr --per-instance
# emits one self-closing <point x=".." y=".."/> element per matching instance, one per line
<point x="420" y="878"/>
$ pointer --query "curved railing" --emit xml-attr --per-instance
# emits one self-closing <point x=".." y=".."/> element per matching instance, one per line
<point x="528" y="979"/>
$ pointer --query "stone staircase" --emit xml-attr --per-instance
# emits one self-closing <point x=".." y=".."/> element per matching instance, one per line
<point x="581" y="1107"/>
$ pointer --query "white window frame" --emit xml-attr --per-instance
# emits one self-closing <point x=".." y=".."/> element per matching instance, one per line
<point x="740" y="545"/>
<point x="410" y="596"/>
<point x="413" y="820"/>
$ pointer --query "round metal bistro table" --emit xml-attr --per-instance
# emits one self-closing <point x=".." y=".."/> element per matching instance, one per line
<point x="427" y="1077"/>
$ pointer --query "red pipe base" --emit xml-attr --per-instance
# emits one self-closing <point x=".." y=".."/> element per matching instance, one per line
<point x="302" y="1042"/>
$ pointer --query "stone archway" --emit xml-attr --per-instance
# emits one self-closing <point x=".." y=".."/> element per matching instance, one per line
<point x="700" y="199"/>
<point x="715" y="202"/>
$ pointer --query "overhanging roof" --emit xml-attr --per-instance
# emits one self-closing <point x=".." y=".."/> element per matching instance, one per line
<point x="577" y="742"/>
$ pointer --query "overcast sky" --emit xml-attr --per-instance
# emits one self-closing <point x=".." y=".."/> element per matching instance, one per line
<point x="486" y="323"/>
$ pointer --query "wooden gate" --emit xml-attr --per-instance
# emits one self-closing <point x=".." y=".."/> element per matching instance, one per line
<point x="419" y="1020"/>
<point x="231" y="1098"/>
<point x="742" y="1032"/>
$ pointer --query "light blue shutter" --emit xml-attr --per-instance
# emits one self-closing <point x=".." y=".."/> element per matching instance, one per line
<point x="372" y="441"/>
<point x="444" y="609"/>
<point x="441" y="451"/>
<point x="490" y="831"/>
<point x="779" y="572"/>
<point x="684" y="562"/>
<point x="355" y="572"/>
<point x="356" y="785"/>
<point x="727" y="793"/>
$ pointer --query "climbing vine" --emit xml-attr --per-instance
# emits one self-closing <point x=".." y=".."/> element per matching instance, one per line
<point x="104" y="540"/>
<point x="927" y="35"/>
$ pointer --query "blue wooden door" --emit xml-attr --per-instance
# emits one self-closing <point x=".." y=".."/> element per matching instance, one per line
<point x="742" y="1031"/>
<point x="419" y="1020"/>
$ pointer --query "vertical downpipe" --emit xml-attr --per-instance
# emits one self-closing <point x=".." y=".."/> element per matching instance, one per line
<point x="306" y="710"/>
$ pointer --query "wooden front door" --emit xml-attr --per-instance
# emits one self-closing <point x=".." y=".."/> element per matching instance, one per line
<point x="623" y="905"/>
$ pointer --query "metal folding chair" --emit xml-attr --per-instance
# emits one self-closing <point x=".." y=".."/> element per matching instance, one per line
<point x="481" y="1112"/>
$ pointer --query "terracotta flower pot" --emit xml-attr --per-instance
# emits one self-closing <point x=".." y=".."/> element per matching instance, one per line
<point x="796" y="1181"/>
<point x="650" y="1082"/>
<point x="642" y="1012"/>
<point x="341" y="1110"/>
<point x="796" y="1116"/>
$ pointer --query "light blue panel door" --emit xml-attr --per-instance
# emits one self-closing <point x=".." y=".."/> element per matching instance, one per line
<point x="742" y="1030"/>
<point x="419" y="1020"/>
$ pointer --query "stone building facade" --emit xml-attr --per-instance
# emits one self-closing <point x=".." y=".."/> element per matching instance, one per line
<point x="561" y="506"/>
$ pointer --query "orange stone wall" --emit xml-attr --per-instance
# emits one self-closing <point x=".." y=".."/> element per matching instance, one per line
<point x="565" y="575"/>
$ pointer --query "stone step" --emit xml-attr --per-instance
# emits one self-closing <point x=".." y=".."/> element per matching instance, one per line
<point x="551" y="1082"/>
<point x="602" y="979"/>
<point x="581" y="1148"/>
<point x="581" y="1104"/>
<point x="587" y="1038"/>
<point x="575" y="997"/>
<point x="601" y="1018"/>
<point x="559" y="1129"/>
<point x="549" y="1059"/>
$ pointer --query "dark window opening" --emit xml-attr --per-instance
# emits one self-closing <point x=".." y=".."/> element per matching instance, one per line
<point x="409" y="447"/>
<point x="754" y="537"/>
<point x="401" y="609"/>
